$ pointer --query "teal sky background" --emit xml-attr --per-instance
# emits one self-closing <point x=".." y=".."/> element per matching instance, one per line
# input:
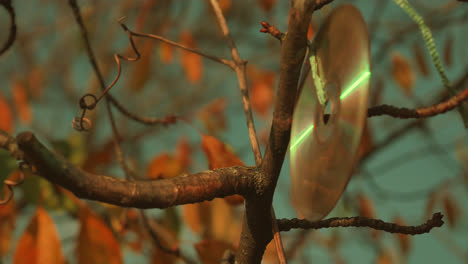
<point x="436" y="159"/>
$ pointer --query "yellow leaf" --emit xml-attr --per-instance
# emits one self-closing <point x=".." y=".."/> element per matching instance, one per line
<point x="402" y="73"/>
<point x="40" y="242"/>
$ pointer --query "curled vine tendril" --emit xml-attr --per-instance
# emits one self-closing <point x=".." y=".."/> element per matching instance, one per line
<point x="12" y="183"/>
<point x="12" y="35"/>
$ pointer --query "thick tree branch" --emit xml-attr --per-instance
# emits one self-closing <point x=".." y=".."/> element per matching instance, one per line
<point x="358" y="221"/>
<point x="163" y="193"/>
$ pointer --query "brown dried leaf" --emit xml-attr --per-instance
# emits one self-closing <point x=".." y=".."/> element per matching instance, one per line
<point x="20" y="98"/>
<point x="212" y="116"/>
<point x="452" y="210"/>
<point x="262" y="92"/>
<point x="142" y="69"/>
<point x="191" y="62"/>
<point x="211" y="251"/>
<point x="6" y="115"/>
<point x="402" y="73"/>
<point x="403" y="240"/>
<point x="365" y="206"/>
<point x="420" y="59"/>
<point x="448" y="50"/>
<point x="225" y="5"/>
<point x="40" y="242"/>
<point x="164" y="166"/>
<point x="266" y="5"/>
<point x="96" y="242"/>
<point x="220" y="156"/>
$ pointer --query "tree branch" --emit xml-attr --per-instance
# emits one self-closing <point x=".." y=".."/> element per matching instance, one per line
<point x="163" y="193"/>
<point x="359" y="221"/>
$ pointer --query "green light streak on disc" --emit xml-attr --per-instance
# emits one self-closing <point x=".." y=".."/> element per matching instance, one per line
<point x="355" y="84"/>
<point x="301" y="138"/>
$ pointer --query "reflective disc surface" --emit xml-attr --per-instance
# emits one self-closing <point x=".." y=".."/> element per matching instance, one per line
<point x="323" y="150"/>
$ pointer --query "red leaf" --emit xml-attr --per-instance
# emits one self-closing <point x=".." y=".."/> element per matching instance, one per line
<point x="6" y="115"/>
<point x="40" y="242"/>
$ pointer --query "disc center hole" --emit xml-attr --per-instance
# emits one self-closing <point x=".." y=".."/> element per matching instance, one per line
<point x="326" y="112"/>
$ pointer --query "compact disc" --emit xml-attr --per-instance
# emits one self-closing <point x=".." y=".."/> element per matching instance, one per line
<point x="330" y="112"/>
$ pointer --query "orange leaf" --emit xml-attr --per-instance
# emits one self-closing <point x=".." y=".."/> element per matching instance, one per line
<point x="40" y="242"/>
<point x="166" y="52"/>
<point x="191" y="62"/>
<point x="266" y="5"/>
<point x="6" y="115"/>
<point x="366" y="207"/>
<point x="402" y="73"/>
<point x="7" y="226"/>
<point x="403" y="240"/>
<point x="225" y="5"/>
<point x="164" y="166"/>
<point x="262" y="92"/>
<point x="384" y="257"/>
<point x="183" y="152"/>
<point x="96" y="242"/>
<point x="197" y="216"/>
<point x="420" y="60"/>
<point x="20" y="98"/>
<point x="452" y="210"/>
<point x="211" y="251"/>
<point x="220" y="156"/>
<point x="212" y="115"/>
<point x="310" y="31"/>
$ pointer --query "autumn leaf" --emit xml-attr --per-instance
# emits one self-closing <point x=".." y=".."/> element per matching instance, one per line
<point x="452" y="210"/>
<point x="166" y="52"/>
<point x="367" y="141"/>
<point x="40" y="242"/>
<point x="183" y="151"/>
<point x="403" y="240"/>
<point x="448" y="50"/>
<point x="212" y="116"/>
<point x="266" y="5"/>
<point x="96" y="242"/>
<point x="420" y="60"/>
<point x="6" y="115"/>
<point x="20" y="98"/>
<point x="261" y="91"/>
<point x="211" y="251"/>
<point x="402" y="73"/>
<point x="365" y="206"/>
<point x="164" y="166"/>
<point x="142" y="69"/>
<point x="99" y="157"/>
<point x="191" y="62"/>
<point x="220" y="156"/>
<point x="311" y="31"/>
<point x="384" y="257"/>
<point x="225" y="5"/>
<point x="36" y="82"/>
<point x="7" y="226"/>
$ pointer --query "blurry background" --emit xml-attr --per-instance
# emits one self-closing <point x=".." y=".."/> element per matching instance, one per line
<point x="407" y="171"/>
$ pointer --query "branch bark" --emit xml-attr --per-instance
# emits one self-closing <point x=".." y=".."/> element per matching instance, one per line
<point x="143" y="194"/>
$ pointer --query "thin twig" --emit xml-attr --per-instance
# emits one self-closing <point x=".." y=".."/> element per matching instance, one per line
<point x="12" y="30"/>
<point x="240" y="69"/>
<point x="420" y="112"/>
<point x="359" y="221"/>
<point x="171" y="251"/>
